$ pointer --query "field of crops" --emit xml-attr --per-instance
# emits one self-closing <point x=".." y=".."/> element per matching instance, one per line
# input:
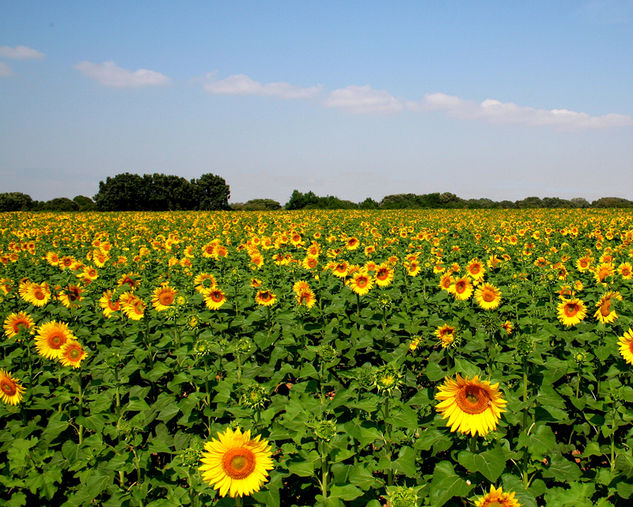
<point x="331" y="358"/>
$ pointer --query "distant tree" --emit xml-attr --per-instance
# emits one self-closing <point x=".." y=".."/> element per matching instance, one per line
<point x="580" y="202"/>
<point x="15" y="201"/>
<point x="261" y="205"/>
<point x="399" y="201"/>
<point x="123" y="192"/>
<point x="162" y="192"/>
<point x="60" y="204"/>
<point x="612" y="202"/>
<point x="299" y="200"/>
<point x="211" y="192"/>
<point x="368" y="203"/>
<point x="556" y="202"/>
<point x="84" y="203"/>
<point x="505" y="204"/>
<point x="529" y="202"/>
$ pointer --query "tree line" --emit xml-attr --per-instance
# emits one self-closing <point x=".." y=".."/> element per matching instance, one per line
<point x="162" y="192"/>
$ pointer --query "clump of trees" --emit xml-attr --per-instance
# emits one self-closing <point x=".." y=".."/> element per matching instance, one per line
<point x="447" y="200"/>
<point x="162" y="192"/>
<point x="256" y="205"/>
<point x="17" y="201"/>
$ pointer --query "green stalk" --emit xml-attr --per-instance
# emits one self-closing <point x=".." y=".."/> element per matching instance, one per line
<point x="388" y="451"/>
<point x="80" y="431"/>
<point x="526" y="479"/>
<point x="239" y="501"/>
<point x="472" y="444"/>
<point x="324" y="471"/>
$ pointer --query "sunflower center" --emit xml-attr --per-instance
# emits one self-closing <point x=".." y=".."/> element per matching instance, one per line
<point x="361" y="282"/>
<point x="8" y="387"/>
<point x="38" y="294"/>
<point x="216" y="296"/>
<point x="474" y="269"/>
<point x="382" y="274"/>
<point x="56" y="340"/>
<point x="488" y="296"/>
<point x="571" y="309"/>
<point x="472" y="399"/>
<point x="166" y="298"/>
<point x="20" y="324"/>
<point x="460" y="287"/>
<point x="74" y="354"/>
<point x="239" y="463"/>
<point x="605" y="308"/>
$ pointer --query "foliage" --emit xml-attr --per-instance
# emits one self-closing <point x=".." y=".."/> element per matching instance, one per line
<point x="15" y="201"/>
<point x="344" y="389"/>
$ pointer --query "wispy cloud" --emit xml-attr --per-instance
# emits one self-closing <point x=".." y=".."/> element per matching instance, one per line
<point x="241" y="84"/>
<point x="5" y="70"/>
<point x="363" y="100"/>
<point x="494" y="111"/>
<point x="110" y="74"/>
<point x="20" y="53"/>
<point x="606" y="12"/>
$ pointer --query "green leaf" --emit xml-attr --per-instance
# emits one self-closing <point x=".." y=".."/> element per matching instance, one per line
<point x="577" y="495"/>
<point x="562" y="470"/>
<point x="513" y="483"/>
<point x="446" y="484"/>
<point x="406" y="462"/>
<point x="490" y="464"/>
<point x="347" y="492"/>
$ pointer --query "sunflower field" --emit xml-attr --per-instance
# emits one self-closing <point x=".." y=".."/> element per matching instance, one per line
<point x="400" y="358"/>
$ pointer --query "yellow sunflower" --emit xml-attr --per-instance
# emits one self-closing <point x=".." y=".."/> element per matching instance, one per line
<point x="361" y="283"/>
<point x="626" y="270"/>
<point x="507" y="325"/>
<point x="384" y="275"/>
<point x="107" y="305"/>
<point x="38" y="294"/>
<point x="471" y="406"/>
<point x="72" y="353"/>
<point x="475" y="269"/>
<point x="10" y="388"/>
<point x="51" y="337"/>
<point x="462" y="288"/>
<point x="497" y="498"/>
<point x="488" y="296"/>
<point x="16" y="322"/>
<point x="446" y="282"/>
<point x="571" y="311"/>
<point x="235" y="463"/>
<point x="70" y="296"/>
<point x="446" y="335"/>
<point x="626" y="346"/>
<point x="133" y="307"/>
<point x="163" y="297"/>
<point x="265" y="298"/>
<point x="605" y="312"/>
<point x="214" y="298"/>
<point x="306" y="297"/>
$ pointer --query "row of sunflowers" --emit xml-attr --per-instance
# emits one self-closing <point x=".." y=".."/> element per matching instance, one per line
<point x="334" y="358"/>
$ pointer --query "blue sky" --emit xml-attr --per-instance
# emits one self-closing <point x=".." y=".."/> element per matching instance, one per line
<point x="496" y="99"/>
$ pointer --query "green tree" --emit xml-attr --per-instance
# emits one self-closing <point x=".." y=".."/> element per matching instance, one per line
<point x="15" y="201"/>
<point x="84" y="203"/>
<point x="123" y="192"/>
<point x="211" y="192"/>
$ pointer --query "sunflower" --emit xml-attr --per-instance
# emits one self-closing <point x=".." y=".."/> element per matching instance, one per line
<point x="361" y="283"/>
<point x="384" y="275"/>
<point x="70" y="296"/>
<point x="163" y="297"/>
<point x="129" y="279"/>
<point x="51" y="337"/>
<point x="310" y="262"/>
<point x="507" y="325"/>
<point x="306" y="297"/>
<point x="497" y="498"/>
<point x="38" y="294"/>
<point x="10" y="388"/>
<point x="72" y="353"/>
<point x="488" y="296"/>
<point x="605" y="313"/>
<point x="235" y="463"/>
<point x="471" y="406"/>
<point x="204" y="281"/>
<point x="626" y="346"/>
<point x="300" y="286"/>
<point x="475" y="269"/>
<point x="462" y="288"/>
<point x="214" y="298"/>
<point x="583" y="264"/>
<point x="603" y="271"/>
<point x="265" y="298"/>
<point x="107" y="305"/>
<point x="340" y="269"/>
<point x="16" y="322"/>
<point x="571" y="311"/>
<point x="446" y="282"/>
<point x="446" y="335"/>
<point x="132" y="306"/>
<point x="626" y="270"/>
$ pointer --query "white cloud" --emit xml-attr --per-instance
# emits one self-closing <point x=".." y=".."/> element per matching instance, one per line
<point x="5" y="70"/>
<point x="110" y="74"/>
<point x="495" y="111"/>
<point x="241" y="84"/>
<point x="20" y="53"/>
<point x="363" y="100"/>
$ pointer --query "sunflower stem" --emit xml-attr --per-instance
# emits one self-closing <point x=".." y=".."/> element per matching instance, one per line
<point x="358" y="305"/>
<point x="239" y="502"/>
<point x="388" y="451"/>
<point x="80" y="430"/>
<point x="324" y="471"/>
<point x="472" y="445"/>
<point x="525" y="476"/>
